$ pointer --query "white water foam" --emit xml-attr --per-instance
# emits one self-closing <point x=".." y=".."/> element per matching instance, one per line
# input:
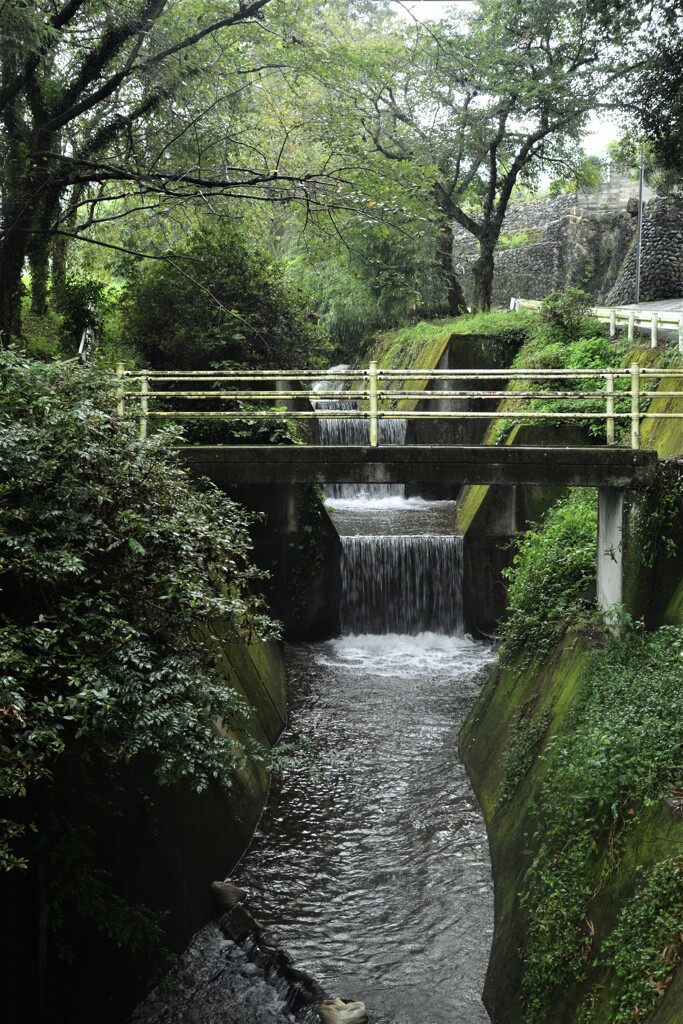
<point x="401" y="656"/>
<point x="365" y="501"/>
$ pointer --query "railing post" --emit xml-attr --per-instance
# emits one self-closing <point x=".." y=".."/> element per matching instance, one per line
<point x="680" y="333"/>
<point x="513" y="302"/>
<point x="120" y="410"/>
<point x="372" y="396"/>
<point x="631" y="325"/>
<point x="635" y="405"/>
<point x="653" y="330"/>
<point x="612" y="322"/>
<point x="144" y="407"/>
<point x="609" y="388"/>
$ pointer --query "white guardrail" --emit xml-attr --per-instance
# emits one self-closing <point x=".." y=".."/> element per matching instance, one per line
<point x="652" y="320"/>
<point x="616" y="395"/>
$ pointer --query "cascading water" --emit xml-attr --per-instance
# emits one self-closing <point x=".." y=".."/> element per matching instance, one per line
<point x="349" y="431"/>
<point x="377" y="879"/>
<point x="402" y="584"/>
<point x="372" y="872"/>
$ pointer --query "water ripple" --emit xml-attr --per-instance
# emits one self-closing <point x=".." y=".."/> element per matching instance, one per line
<point x="375" y="876"/>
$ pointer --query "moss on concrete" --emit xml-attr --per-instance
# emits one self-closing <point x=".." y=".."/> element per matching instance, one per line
<point x="666" y="436"/>
<point x="486" y="339"/>
<point x="510" y="696"/>
<point x="256" y="672"/>
<point x="538" y="703"/>
<point x="549" y="694"/>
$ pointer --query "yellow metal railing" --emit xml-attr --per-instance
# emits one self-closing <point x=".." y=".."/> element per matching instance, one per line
<point x="652" y="320"/>
<point x="624" y="395"/>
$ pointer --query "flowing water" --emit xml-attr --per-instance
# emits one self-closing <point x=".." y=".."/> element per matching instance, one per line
<point x="370" y="864"/>
<point x="375" y="875"/>
<point x="349" y="431"/>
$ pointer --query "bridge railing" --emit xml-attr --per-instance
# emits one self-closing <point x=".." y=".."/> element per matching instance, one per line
<point x="653" y="320"/>
<point x="608" y="396"/>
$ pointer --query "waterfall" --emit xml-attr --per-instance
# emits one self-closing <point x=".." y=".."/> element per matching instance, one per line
<point x="402" y="584"/>
<point x="343" y="431"/>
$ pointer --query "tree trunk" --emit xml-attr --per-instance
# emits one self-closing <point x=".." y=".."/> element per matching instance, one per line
<point x="482" y="272"/>
<point x="38" y="258"/>
<point x="58" y="270"/>
<point x="455" y="297"/>
<point x="12" y="255"/>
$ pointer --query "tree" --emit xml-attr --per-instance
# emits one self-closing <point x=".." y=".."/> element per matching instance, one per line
<point x="245" y="316"/>
<point x="649" y="95"/>
<point x="105" y="103"/>
<point x="481" y="103"/>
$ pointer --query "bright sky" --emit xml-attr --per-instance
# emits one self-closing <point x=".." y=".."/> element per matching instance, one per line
<point x="601" y="129"/>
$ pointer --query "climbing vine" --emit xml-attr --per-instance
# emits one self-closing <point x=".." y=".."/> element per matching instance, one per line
<point x="664" y="498"/>
<point x="646" y="947"/>
<point x="619" y="752"/>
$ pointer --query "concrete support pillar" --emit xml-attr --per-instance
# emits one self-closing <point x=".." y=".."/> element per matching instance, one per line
<point x="610" y="547"/>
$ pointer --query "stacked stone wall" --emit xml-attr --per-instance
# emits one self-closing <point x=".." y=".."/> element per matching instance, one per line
<point x="581" y="240"/>
<point x="661" y="274"/>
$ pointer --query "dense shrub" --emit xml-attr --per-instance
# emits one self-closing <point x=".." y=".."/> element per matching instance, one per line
<point x="552" y="567"/>
<point x="110" y="564"/>
<point x="565" y="337"/>
<point x="217" y="301"/>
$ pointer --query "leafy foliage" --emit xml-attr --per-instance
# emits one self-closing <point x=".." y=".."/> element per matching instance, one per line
<point x="151" y="96"/>
<point x="646" y="946"/>
<point x="651" y="94"/>
<point x="565" y="336"/>
<point x="219" y="301"/>
<point x="665" y="495"/>
<point x="525" y="740"/>
<point x="112" y="569"/>
<point x="567" y="314"/>
<point x="620" y="751"/>
<point x="552" y="566"/>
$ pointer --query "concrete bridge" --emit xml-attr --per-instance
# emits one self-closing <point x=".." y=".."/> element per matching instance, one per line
<point x="614" y="471"/>
<point x="612" y="397"/>
<point x="481" y="464"/>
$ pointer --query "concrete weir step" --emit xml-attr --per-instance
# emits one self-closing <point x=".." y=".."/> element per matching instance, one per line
<point x="481" y="464"/>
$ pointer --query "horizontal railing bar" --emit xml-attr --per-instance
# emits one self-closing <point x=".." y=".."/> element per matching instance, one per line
<point x="391" y="414"/>
<point x="250" y="414"/>
<point x="233" y="395"/>
<point x="247" y="374"/>
<point x="445" y="396"/>
<point x="509" y="373"/>
<point x="647" y="372"/>
<point x="621" y="312"/>
<point x="430" y="396"/>
<point x="436" y="375"/>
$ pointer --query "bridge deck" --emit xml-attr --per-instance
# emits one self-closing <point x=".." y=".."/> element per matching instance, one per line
<point x="295" y="464"/>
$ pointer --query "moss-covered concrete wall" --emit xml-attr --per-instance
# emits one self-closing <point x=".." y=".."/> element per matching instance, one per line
<point x="161" y="846"/>
<point x="466" y="343"/>
<point x="546" y="694"/>
<point x="542" y="700"/>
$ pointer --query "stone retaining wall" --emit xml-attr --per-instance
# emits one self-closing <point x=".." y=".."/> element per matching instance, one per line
<point x="583" y="239"/>
<point x="661" y="275"/>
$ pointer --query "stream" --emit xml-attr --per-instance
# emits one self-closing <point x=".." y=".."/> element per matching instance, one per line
<point x="375" y="875"/>
<point x="370" y="864"/>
